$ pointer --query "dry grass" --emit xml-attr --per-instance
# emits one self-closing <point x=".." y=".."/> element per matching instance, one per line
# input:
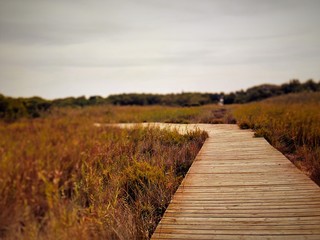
<point x="61" y="178"/>
<point x="135" y="114"/>
<point x="291" y="124"/>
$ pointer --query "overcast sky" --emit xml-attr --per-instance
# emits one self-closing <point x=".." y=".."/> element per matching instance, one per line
<point x="70" y="48"/>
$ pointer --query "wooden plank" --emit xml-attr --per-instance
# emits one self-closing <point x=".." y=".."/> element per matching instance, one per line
<point x="252" y="212"/>
<point x="235" y="237"/>
<point x="201" y="231"/>
<point x="254" y="205"/>
<point x="245" y="226"/>
<point x="224" y="220"/>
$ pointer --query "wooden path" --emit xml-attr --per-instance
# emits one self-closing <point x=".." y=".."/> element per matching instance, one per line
<point x="240" y="187"/>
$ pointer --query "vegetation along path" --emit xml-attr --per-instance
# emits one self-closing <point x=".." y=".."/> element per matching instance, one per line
<point x="240" y="187"/>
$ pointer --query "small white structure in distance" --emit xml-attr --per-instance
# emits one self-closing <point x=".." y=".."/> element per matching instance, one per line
<point x="220" y="103"/>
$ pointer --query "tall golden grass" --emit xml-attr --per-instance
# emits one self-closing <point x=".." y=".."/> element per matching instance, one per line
<point x="136" y="114"/>
<point x="62" y="178"/>
<point x="290" y="123"/>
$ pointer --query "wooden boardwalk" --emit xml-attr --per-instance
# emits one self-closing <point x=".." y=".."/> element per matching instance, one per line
<point x="240" y="187"/>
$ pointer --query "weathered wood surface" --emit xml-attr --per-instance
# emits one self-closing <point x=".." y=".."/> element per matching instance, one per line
<point x="240" y="187"/>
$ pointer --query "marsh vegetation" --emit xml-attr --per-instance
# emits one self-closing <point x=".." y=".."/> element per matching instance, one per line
<point x="63" y="178"/>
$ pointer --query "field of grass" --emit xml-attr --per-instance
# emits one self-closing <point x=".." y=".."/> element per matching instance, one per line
<point x="290" y="123"/>
<point x="136" y="114"/>
<point x="62" y="178"/>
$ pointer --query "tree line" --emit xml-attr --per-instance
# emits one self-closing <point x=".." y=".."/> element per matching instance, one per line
<point x="264" y="91"/>
<point x="15" y="108"/>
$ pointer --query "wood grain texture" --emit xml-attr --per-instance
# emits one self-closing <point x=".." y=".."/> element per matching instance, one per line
<point x="240" y="187"/>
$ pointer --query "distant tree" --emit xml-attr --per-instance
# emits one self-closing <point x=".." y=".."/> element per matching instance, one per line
<point x="80" y="101"/>
<point x="95" y="100"/>
<point x="64" y="102"/>
<point x="13" y="109"/>
<point x="215" y="97"/>
<point x="36" y="105"/>
<point x="229" y="98"/>
<point x="291" y="87"/>
<point x="262" y="92"/>
<point x="310" y="85"/>
<point x="241" y="97"/>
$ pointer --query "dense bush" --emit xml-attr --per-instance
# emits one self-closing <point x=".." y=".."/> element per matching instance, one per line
<point x="12" y="109"/>
<point x="180" y="99"/>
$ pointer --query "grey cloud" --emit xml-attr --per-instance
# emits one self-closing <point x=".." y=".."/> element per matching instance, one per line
<point x="147" y="42"/>
<point x="48" y="23"/>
